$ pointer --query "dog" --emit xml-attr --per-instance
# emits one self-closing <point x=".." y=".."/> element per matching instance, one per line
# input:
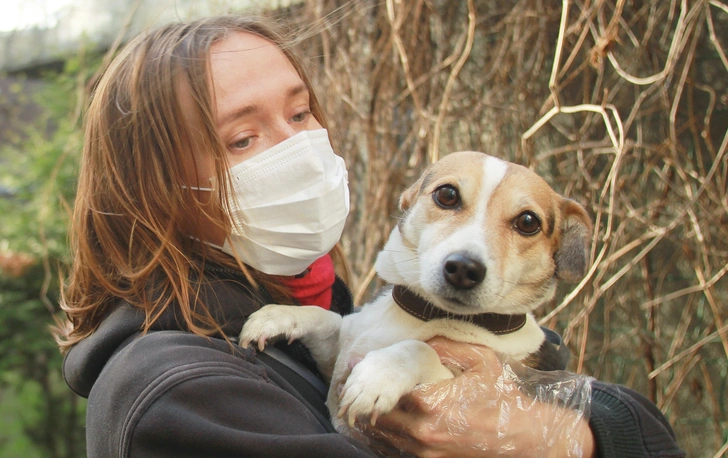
<point x="481" y="243"/>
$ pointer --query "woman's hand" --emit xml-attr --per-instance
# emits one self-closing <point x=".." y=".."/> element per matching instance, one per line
<point x="481" y="413"/>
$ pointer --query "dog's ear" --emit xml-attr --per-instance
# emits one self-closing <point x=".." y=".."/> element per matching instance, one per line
<point x="572" y="256"/>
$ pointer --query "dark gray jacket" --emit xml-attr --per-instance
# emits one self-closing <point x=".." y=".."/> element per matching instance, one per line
<point x="171" y="393"/>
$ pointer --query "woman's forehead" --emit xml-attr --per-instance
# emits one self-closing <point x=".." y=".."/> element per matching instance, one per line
<point x="243" y="54"/>
<point x="247" y="69"/>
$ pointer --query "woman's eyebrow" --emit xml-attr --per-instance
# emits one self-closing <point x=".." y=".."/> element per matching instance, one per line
<point x="296" y="90"/>
<point x="238" y="113"/>
<point x="246" y="110"/>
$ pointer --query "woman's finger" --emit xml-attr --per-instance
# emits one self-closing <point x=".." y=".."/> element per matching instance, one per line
<point x="397" y="430"/>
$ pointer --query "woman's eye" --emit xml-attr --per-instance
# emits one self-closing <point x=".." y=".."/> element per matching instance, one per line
<point x="243" y="143"/>
<point x="446" y="196"/>
<point x="300" y="117"/>
<point x="527" y="223"/>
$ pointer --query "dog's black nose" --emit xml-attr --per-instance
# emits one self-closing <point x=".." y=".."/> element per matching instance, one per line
<point x="463" y="272"/>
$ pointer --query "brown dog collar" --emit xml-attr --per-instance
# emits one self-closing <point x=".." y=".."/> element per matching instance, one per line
<point x="425" y="310"/>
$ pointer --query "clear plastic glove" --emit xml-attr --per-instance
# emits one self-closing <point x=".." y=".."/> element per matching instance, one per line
<point x="492" y="408"/>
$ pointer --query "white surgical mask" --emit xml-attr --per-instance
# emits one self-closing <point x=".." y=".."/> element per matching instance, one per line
<point x="289" y="204"/>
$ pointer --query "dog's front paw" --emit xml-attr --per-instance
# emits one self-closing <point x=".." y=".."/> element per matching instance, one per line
<point x="372" y="390"/>
<point x="271" y="323"/>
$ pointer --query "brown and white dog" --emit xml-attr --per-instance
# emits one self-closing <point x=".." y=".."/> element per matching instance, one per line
<point x="481" y="243"/>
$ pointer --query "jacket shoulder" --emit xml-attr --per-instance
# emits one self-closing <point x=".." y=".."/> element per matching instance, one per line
<point x="145" y="368"/>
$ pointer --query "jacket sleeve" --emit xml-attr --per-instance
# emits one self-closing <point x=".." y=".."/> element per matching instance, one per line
<point x="626" y="424"/>
<point x="225" y="414"/>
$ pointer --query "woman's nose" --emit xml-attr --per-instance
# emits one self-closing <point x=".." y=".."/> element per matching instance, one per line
<point x="284" y="131"/>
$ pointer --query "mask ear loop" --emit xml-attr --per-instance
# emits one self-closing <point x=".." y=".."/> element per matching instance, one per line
<point x="195" y="188"/>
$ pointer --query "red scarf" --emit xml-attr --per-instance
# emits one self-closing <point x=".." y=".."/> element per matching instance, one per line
<point x="314" y="286"/>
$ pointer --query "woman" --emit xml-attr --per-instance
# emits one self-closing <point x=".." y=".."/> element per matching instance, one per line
<point x="208" y="188"/>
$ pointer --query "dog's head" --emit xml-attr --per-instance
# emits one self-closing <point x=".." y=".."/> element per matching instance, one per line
<point x="479" y="234"/>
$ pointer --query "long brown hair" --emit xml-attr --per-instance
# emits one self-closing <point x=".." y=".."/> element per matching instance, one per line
<point x="134" y="223"/>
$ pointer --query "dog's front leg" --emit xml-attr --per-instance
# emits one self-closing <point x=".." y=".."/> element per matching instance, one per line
<point x="316" y="328"/>
<point x="378" y="381"/>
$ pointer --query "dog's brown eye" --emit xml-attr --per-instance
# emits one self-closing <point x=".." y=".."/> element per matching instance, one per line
<point x="527" y="223"/>
<point x="446" y="196"/>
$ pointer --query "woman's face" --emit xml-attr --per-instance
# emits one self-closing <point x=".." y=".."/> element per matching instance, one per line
<point x="259" y="98"/>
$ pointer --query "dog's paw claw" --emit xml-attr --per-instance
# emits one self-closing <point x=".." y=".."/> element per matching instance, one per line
<point x="373" y="418"/>
<point x="342" y="411"/>
<point x="262" y="342"/>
